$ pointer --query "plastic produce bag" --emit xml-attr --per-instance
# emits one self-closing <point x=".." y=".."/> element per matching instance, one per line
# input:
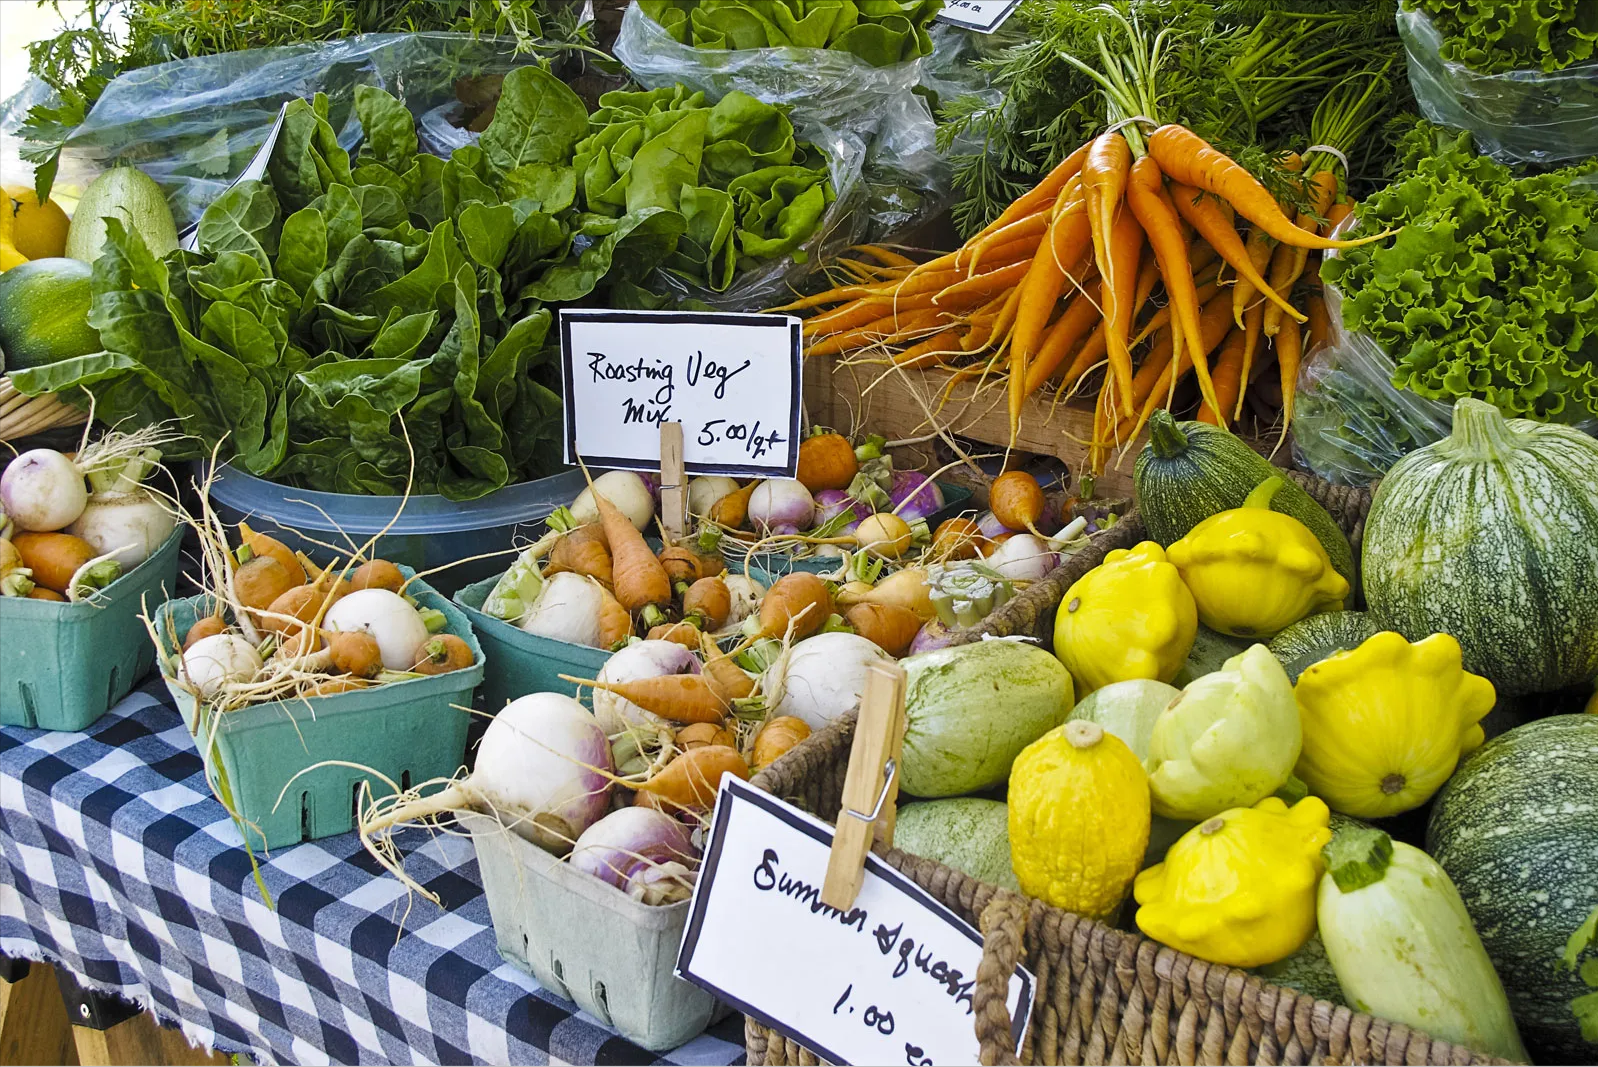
<point x="1519" y="116"/>
<point x="905" y="179"/>
<point x="193" y="124"/>
<point x="1350" y="423"/>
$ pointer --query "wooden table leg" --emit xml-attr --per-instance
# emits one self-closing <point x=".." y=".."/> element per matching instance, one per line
<point x="109" y="1030"/>
<point x="33" y="1021"/>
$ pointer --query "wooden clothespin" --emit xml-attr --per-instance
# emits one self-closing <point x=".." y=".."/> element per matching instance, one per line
<point x="871" y="788"/>
<point x="673" y="483"/>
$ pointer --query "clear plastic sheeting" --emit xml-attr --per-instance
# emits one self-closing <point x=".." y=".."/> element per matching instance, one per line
<point x="193" y="124"/>
<point x="1350" y="423"/>
<point x="904" y="180"/>
<point x="1520" y="116"/>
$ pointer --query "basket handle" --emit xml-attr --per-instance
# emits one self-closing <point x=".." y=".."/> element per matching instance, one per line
<point x="1003" y="925"/>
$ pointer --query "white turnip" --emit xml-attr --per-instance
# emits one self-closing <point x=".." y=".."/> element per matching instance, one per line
<point x="128" y="526"/>
<point x="42" y="490"/>
<point x="781" y="506"/>
<point x="1023" y="557"/>
<point x="704" y="491"/>
<point x="639" y="850"/>
<point x="644" y="659"/>
<point x="388" y="617"/>
<point x="626" y="490"/>
<point x="213" y="662"/>
<point x="568" y="608"/>
<point x="820" y="678"/>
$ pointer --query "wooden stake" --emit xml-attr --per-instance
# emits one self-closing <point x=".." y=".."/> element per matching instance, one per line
<point x="871" y="789"/>
<point x="673" y="483"/>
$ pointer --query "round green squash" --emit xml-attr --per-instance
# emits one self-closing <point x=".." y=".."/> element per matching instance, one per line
<point x="1308" y="641"/>
<point x="1491" y="535"/>
<point x="970" y="834"/>
<point x="1191" y="470"/>
<point x="44" y="312"/>
<point x="1516" y="829"/>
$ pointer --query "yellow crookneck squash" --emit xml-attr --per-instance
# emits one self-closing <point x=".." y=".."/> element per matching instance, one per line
<point x="1386" y="723"/>
<point x="1239" y="888"/>
<point x="1254" y="571"/>
<point x="1079" y="818"/>
<point x="1129" y="617"/>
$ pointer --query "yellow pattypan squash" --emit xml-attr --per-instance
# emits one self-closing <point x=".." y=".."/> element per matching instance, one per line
<point x="9" y="256"/>
<point x="1231" y="738"/>
<point x="1239" y="888"/>
<point x="1129" y="617"/>
<point x="1079" y="818"/>
<point x="1386" y="723"/>
<point x="36" y="232"/>
<point x="1254" y="571"/>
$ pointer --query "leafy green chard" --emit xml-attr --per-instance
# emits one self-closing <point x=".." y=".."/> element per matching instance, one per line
<point x="1489" y="288"/>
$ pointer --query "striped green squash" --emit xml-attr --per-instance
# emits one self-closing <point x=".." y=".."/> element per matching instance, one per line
<point x="1308" y="641"/>
<point x="1191" y="470"/>
<point x="1516" y="828"/>
<point x="1491" y="535"/>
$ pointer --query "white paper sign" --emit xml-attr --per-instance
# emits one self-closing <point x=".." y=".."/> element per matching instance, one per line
<point x="888" y="982"/>
<point x="983" y="16"/>
<point x="732" y="380"/>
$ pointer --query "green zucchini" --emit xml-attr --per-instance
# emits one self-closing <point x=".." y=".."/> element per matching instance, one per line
<point x="1190" y="470"/>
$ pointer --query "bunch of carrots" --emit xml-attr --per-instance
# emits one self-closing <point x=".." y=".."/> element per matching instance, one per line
<point x="1063" y="282"/>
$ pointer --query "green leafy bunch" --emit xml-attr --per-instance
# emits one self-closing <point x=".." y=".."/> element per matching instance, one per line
<point x="112" y="37"/>
<point x="881" y="32"/>
<point x="1490" y="287"/>
<point x="746" y="189"/>
<point x="354" y="325"/>
<point x="1244" y="74"/>
<point x="1492" y="36"/>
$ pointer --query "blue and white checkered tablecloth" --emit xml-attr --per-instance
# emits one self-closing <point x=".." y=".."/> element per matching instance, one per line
<point x="116" y="862"/>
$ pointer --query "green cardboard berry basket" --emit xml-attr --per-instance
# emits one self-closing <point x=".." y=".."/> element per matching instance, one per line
<point x="62" y="666"/>
<point x="409" y="732"/>
<point x="518" y="662"/>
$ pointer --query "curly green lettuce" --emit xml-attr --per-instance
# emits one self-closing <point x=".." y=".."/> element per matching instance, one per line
<point x="1492" y="36"/>
<point x="1490" y="287"/>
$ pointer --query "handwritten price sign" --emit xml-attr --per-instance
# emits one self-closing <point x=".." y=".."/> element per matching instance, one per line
<point x="888" y="981"/>
<point x="731" y="380"/>
<point x="983" y="16"/>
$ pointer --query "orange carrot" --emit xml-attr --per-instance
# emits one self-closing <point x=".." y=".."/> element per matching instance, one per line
<point x="730" y="681"/>
<point x="1069" y="236"/>
<point x="1323" y="188"/>
<point x="1080" y="315"/>
<point x="1033" y="225"/>
<point x="638" y="577"/>
<point x="1228" y="380"/>
<point x="1320" y="326"/>
<point x="1126" y="246"/>
<point x="690" y="781"/>
<point x="1258" y="245"/>
<point x="860" y="312"/>
<point x="582" y="551"/>
<point x="880" y="330"/>
<point x="732" y="510"/>
<point x="1336" y="214"/>
<point x="678" y="697"/>
<point x="1191" y="160"/>
<point x="1207" y="218"/>
<point x="932" y="352"/>
<point x="1042" y="193"/>
<point x="615" y="625"/>
<point x="886" y="255"/>
<point x="1145" y="195"/>
<point x="992" y="282"/>
<point x="1091" y="352"/>
<point x="1252" y="319"/>
<point x="1160" y="318"/>
<point x="685" y="634"/>
<point x="1289" y="353"/>
<point x="1104" y="174"/>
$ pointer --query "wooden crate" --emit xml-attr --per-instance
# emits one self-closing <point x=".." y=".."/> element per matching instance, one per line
<point x="902" y="404"/>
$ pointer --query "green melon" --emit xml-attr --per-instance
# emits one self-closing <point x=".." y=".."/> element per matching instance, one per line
<point x="44" y="312"/>
<point x="1308" y="641"/>
<point x="1516" y="829"/>
<point x="967" y="833"/>
<point x="1491" y="535"/>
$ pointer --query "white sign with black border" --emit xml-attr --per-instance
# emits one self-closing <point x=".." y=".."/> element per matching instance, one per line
<point x="732" y="380"/>
<point x="889" y="981"/>
<point x="983" y="16"/>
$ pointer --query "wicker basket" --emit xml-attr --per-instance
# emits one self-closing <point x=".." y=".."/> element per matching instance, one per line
<point x="1105" y="995"/>
<point x="22" y="416"/>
